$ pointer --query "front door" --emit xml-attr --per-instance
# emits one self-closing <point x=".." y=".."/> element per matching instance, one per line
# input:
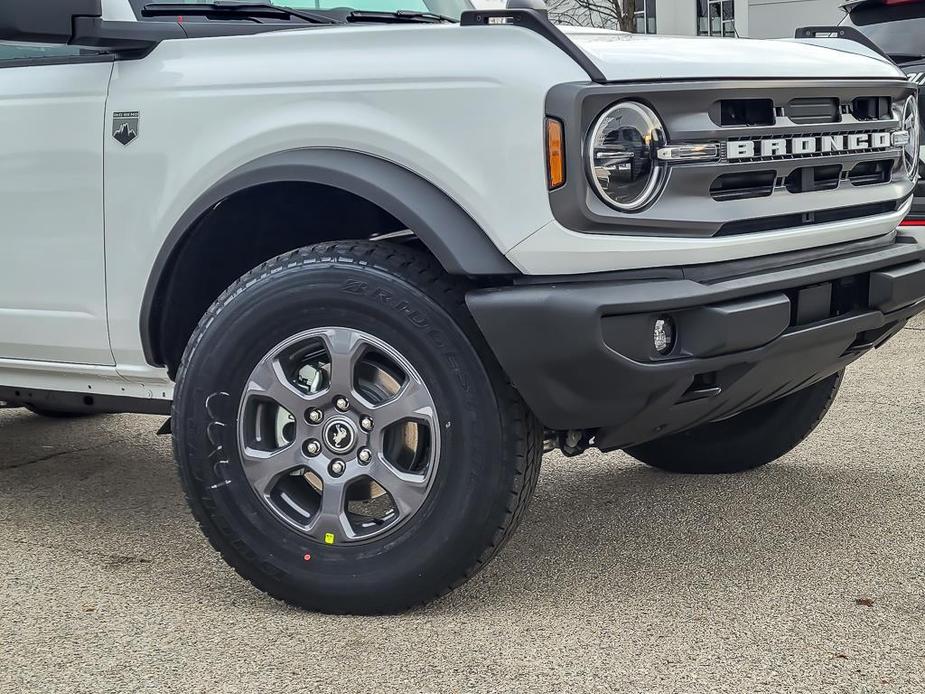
<point x="52" y="272"/>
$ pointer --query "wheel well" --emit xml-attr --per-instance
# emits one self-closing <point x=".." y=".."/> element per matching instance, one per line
<point x="244" y="230"/>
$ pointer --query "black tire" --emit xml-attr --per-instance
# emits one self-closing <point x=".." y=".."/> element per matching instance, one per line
<point x="744" y="442"/>
<point x="490" y="454"/>
<point x="58" y="414"/>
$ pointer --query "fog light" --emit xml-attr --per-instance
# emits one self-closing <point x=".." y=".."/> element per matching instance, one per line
<point x="664" y="335"/>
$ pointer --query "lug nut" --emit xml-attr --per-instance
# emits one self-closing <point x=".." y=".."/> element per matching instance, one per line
<point x="341" y="403"/>
<point x="315" y="416"/>
<point x="367" y="423"/>
<point x="312" y="448"/>
<point x="337" y="468"/>
<point x="365" y="455"/>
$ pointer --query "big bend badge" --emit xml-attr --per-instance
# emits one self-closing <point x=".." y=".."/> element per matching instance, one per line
<point x="125" y="126"/>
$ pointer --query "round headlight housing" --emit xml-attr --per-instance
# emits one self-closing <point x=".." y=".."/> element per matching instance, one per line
<point x="622" y="152"/>
<point x="911" y="123"/>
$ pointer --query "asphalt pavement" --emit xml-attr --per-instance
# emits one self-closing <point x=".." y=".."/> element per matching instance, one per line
<point x="805" y="576"/>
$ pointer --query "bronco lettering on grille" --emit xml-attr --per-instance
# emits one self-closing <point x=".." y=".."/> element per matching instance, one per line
<point x="813" y="144"/>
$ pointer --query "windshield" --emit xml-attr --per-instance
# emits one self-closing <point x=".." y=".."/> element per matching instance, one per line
<point x="447" y="8"/>
<point x="899" y="30"/>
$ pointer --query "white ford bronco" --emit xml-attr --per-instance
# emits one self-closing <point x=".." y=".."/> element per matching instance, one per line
<point x="375" y="259"/>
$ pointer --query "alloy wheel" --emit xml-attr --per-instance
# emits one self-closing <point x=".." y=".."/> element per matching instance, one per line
<point x="338" y="435"/>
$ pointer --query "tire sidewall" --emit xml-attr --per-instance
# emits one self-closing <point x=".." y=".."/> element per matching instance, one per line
<point x="467" y="500"/>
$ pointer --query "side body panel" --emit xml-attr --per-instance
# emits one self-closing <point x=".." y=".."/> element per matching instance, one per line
<point x="461" y="107"/>
<point x="52" y="274"/>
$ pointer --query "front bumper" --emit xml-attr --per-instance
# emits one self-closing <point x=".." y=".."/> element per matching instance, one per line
<point x="581" y="354"/>
<point x="917" y="211"/>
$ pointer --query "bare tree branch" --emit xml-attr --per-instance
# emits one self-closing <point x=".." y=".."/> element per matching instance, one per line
<point x="603" y="14"/>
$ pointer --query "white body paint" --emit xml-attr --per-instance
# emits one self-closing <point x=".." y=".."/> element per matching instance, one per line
<point x="85" y="217"/>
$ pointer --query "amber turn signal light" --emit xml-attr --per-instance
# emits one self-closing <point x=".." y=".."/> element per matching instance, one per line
<point x="555" y="154"/>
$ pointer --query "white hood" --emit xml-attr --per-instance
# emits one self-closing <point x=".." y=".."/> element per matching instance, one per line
<point x="624" y="57"/>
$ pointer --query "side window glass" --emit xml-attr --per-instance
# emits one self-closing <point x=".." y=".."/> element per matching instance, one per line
<point x="12" y="50"/>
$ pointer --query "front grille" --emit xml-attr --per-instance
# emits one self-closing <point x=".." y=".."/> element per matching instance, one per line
<point x="746" y="112"/>
<point x="791" y="153"/>
<point x="786" y="221"/>
<point x="868" y="108"/>
<point x="825" y="145"/>
<point x="741" y="186"/>
<point x="813" y="110"/>
<point x="868" y="173"/>
<point x="804" y="179"/>
<point x="807" y="110"/>
<point x="807" y="179"/>
<point x="789" y="157"/>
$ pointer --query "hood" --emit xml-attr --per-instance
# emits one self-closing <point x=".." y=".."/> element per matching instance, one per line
<point x="632" y="57"/>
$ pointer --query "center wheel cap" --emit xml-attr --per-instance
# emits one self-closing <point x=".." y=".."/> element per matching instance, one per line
<point x="340" y="435"/>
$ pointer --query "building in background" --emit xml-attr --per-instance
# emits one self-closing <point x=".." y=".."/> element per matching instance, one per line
<point x="747" y="18"/>
<point x="778" y="18"/>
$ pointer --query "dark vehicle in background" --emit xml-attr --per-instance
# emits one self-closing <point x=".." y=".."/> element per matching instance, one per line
<point x="897" y="27"/>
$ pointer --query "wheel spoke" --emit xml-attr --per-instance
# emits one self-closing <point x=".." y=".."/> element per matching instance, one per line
<point x="345" y="347"/>
<point x="411" y="402"/>
<point x="264" y="468"/>
<point x="331" y="516"/>
<point x="269" y="381"/>
<point x="319" y="464"/>
<point x="407" y="490"/>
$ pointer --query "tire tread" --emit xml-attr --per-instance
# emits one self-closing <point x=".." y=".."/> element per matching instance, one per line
<point x="424" y="273"/>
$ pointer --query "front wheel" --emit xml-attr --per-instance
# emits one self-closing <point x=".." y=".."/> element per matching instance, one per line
<point x="343" y="436"/>
<point x="749" y="440"/>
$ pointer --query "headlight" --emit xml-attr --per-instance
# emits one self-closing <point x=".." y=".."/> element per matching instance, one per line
<point x="623" y="164"/>
<point x="910" y="122"/>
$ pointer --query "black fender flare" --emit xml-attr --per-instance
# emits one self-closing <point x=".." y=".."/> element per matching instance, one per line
<point x="458" y="243"/>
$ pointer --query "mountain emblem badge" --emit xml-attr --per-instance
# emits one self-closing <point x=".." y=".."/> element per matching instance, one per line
<point x="125" y="126"/>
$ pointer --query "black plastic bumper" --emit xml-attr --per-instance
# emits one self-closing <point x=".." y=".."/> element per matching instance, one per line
<point x="582" y="354"/>
<point x="918" y="202"/>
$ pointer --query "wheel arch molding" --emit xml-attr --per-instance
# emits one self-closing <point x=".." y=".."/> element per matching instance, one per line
<point x="458" y="243"/>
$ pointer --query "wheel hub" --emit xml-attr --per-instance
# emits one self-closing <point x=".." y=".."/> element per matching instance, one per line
<point x="340" y="435"/>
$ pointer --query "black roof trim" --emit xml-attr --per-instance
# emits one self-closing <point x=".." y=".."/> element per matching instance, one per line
<point x="538" y="22"/>
<point x="855" y="4"/>
<point x="841" y="32"/>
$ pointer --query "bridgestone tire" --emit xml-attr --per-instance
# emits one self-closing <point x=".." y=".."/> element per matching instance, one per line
<point x="744" y="442"/>
<point x="490" y="446"/>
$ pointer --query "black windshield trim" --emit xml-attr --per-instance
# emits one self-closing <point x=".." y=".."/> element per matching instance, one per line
<point x="102" y="57"/>
<point x="337" y="14"/>
<point x="399" y="16"/>
<point x="223" y="9"/>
